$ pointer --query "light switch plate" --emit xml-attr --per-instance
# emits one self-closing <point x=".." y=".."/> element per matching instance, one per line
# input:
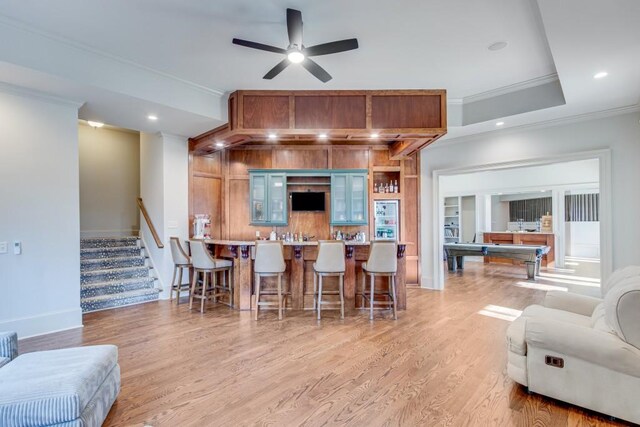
<point x="3" y="247"/>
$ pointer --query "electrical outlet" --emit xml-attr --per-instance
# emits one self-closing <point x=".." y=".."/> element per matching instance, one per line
<point x="3" y="247"/>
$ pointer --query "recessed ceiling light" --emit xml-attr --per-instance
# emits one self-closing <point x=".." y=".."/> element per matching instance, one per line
<point x="272" y="136"/>
<point x="497" y="45"/>
<point x="499" y="123"/>
<point x="499" y="194"/>
<point x="323" y="136"/>
<point x="600" y="75"/>
<point x="219" y="144"/>
<point x="375" y="135"/>
<point x="152" y="117"/>
<point x="95" y="124"/>
<point x="543" y="191"/>
<point x="295" y="56"/>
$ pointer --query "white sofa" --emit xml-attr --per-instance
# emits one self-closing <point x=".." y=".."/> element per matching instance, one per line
<point x="583" y="350"/>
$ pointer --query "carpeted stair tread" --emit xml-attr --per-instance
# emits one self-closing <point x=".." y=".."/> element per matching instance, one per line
<point x="104" y="242"/>
<point x="91" y="264"/>
<point x="115" y="286"/>
<point x="110" y="252"/>
<point x="113" y="274"/>
<point x="102" y="302"/>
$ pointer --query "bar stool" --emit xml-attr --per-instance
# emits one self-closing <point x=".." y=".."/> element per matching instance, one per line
<point x="382" y="262"/>
<point x="203" y="263"/>
<point x="330" y="262"/>
<point x="269" y="262"/>
<point x="180" y="261"/>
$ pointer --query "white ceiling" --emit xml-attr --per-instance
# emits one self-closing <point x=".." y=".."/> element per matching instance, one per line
<point x="185" y="49"/>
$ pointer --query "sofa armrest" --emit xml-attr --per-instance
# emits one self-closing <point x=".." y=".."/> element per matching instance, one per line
<point x="591" y="345"/>
<point x="9" y="345"/>
<point x="567" y="301"/>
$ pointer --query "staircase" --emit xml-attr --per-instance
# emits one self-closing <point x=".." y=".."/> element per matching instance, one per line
<point x="114" y="273"/>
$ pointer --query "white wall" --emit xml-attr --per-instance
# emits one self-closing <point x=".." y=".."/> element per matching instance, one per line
<point x="620" y="134"/>
<point x="468" y="218"/>
<point x="499" y="214"/>
<point x="164" y="186"/>
<point x="109" y="181"/>
<point x="583" y="239"/>
<point x="39" y="289"/>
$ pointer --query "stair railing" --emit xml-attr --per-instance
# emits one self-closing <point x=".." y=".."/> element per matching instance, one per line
<point x="145" y="214"/>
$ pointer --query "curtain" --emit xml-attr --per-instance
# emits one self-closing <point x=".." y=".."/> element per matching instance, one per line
<point x="582" y="207"/>
<point x="529" y="210"/>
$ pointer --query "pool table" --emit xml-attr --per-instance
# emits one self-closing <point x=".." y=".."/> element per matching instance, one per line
<point x="531" y="255"/>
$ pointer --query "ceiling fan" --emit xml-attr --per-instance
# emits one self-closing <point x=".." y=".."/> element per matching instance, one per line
<point x="297" y="53"/>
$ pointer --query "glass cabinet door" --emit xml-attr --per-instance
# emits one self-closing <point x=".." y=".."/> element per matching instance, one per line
<point x="339" y="208"/>
<point x="258" y="198"/>
<point x="277" y="199"/>
<point x="358" y="208"/>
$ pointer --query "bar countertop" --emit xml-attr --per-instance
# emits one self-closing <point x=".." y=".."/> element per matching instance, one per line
<point x="308" y="243"/>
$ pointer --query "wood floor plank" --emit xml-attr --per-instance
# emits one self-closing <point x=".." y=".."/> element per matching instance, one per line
<point x="441" y="363"/>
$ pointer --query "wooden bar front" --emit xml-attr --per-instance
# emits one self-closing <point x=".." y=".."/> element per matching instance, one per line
<point x="298" y="277"/>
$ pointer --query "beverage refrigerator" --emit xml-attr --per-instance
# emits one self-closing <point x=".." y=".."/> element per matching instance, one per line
<point x="387" y="220"/>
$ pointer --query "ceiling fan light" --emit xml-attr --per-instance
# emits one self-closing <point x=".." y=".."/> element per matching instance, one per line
<point x="295" y="56"/>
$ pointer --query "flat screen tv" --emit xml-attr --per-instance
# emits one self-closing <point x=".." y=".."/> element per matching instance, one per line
<point x="307" y="201"/>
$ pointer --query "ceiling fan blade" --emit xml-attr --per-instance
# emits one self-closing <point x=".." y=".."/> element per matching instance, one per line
<point x="316" y="70"/>
<point x="333" y="47"/>
<point x="277" y="69"/>
<point x="294" y="27"/>
<point x="259" y="46"/>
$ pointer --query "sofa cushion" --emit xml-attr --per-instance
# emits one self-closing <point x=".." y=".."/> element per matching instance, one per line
<point x="557" y="315"/>
<point x="4" y="361"/>
<point x="50" y="387"/>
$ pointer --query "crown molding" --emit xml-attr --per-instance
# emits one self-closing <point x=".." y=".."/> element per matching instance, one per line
<point x="545" y="124"/>
<point x="40" y="96"/>
<point x="527" y="84"/>
<point x="5" y="20"/>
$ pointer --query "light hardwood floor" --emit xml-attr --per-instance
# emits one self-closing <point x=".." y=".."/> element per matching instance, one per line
<point x="440" y="363"/>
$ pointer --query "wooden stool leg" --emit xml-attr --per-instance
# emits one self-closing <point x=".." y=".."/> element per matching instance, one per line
<point x="173" y="280"/>
<point x="315" y="289"/>
<point x="319" y="295"/>
<point x="279" y="296"/>
<point x="372" y="297"/>
<point x="192" y="291"/>
<point x="205" y="283"/>
<point x="257" y="280"/>
<point x="228" y="272"/>
<point x="214" y="280"/>
<point x="364" y="281"/>
<point x="341" y="290"/>
<point x="179" y="288"/>
<point x="393" y="291"/>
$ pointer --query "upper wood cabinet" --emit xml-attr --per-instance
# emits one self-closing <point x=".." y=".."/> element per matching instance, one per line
<point x="407" y="120"/>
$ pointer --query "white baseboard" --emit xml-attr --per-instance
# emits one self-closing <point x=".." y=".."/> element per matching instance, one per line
<point x="44" y="323"/>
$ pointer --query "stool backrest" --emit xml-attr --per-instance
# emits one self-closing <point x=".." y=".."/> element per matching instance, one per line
<point x="200" y="256"/>
<point x="330" y="256"/>
<point x="178" y="254"/>
<point x="269" y="257"/>
<point x="383" y="257"/>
